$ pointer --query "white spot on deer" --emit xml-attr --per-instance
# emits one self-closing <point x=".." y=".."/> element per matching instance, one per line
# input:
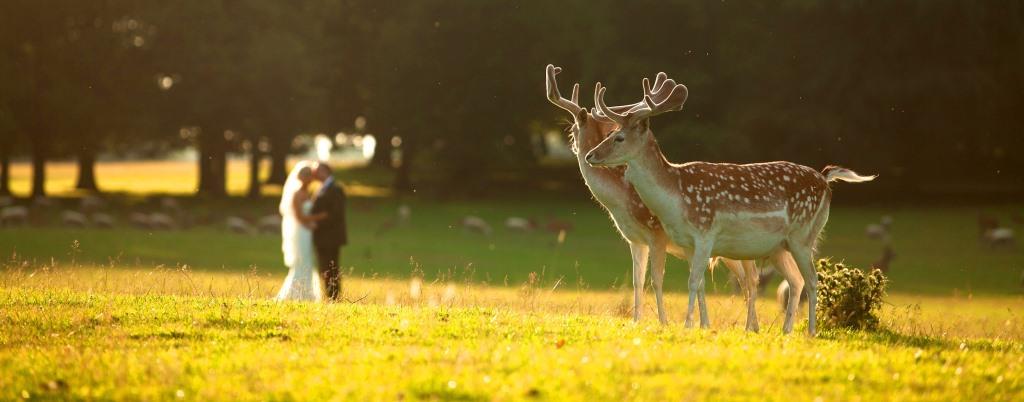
<point x="782" y="188"/>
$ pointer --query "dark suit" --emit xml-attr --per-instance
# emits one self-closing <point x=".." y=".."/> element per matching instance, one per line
<point x="330" y="234"/>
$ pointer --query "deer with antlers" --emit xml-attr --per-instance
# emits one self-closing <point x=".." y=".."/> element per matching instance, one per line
<point x="751" y="212"/>
<point x="647" y="240"/>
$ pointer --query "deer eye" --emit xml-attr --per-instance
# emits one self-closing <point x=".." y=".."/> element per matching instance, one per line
<point x="620" y="138"/>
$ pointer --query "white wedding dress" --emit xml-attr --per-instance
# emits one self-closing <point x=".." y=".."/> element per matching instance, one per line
<point x="303" y="281"/>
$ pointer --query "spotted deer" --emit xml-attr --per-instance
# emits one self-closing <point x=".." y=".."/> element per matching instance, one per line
<point x="749" y="212"/>
<point x="647" y="240"/>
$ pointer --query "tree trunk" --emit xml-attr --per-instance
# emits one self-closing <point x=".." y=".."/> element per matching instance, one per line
<point x="39" y="154"/>
<point x="382" y="153"/>
<point x="254" y="170"/>
<point x="5" y="169"/>
<point x="403" y="178"/>
<point x="212" y="163"/>
<point x="87" y="169"/>
<point x="278" y="162"/>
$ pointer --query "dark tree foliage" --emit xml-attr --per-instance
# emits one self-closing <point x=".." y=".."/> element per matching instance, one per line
<point x="924" y="93"/>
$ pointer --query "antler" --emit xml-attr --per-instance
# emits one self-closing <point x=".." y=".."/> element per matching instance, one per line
<point x="606" y="111"/>
<point x="670" y="97"/>
<point x="555" y="97"/>
<point x="673" y="101"/>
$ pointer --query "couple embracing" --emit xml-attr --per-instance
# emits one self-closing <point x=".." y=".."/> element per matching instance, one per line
<point x="313" y="230"/>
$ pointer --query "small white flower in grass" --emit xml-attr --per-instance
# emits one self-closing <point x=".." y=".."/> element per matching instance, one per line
<point x="585" y="360"/>
<point x="487" y="379"/>
<point x="180" y="394"/>
<point x="452" y="384"/>
<point x="636" y="341"/>
<point x="895" y="376"/>
<point x="851" y="377"/>
<point x="959" y="370"/>
<point x="999" y="379"/>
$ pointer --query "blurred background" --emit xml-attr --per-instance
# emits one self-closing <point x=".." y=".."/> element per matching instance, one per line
<point x="205" y="102"/>
<point x="925" y="93"/>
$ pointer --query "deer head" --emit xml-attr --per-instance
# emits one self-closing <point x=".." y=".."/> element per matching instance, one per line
<point x="633" y="133"/>
<point x="591" y="126"/>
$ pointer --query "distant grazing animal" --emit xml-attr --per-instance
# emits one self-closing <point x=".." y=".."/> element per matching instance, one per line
<point x="476" y="224"/>
<point x="887" y="256"/>
<point x="14" y="215"/>
<point x="648" y="242"/>
<point x="102" y="220"/>
<point x="999" y="237"/>
<point x="161" y="221"/>
<point x="270" y="224"/>
<point x="139" y="220"/>
<point x="755" y="211"/>
<point x="238" y="225"/>
<point x="517" y="224"/>
<point x="985" y="224"/>
<point x="74" y="219"/>
<point x="404" y="213"/>
<point x="879" y="231"/>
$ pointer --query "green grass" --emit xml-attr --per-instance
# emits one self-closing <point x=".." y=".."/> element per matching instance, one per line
<point x="128" y="314"/>
<point x="938" y="252"/>
<point x="166" y="334"/>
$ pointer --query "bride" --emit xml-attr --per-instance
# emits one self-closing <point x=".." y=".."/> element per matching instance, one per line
<point x="303" y="282"/>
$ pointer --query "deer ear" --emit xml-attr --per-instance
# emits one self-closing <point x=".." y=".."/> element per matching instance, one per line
<point x="581" y="116"/>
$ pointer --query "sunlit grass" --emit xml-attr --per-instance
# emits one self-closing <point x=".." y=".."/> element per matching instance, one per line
<point x="167" y="333"/>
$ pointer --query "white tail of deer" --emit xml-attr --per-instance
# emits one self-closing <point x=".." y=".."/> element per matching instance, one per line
<point x="755" y="211"/>
<point x="648" y="242"/>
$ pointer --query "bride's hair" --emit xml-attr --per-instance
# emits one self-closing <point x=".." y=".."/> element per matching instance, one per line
<point x="301" y="172"/>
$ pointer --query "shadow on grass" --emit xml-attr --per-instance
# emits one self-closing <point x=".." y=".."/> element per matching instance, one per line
<point x="891" y="337"/>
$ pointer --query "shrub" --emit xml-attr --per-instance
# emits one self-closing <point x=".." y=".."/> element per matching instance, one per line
<point x="847" y="297"/>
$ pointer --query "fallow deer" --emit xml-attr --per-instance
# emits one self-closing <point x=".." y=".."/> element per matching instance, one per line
<point x="750" y="212"/>
<point x="635" y="222"/>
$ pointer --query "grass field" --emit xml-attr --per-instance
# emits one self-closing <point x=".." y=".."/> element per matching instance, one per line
<point x="165" y="334"/>
<point x="135" y="314"/>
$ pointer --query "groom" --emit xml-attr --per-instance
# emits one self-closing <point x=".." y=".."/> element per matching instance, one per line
<point x="331" y="233"/>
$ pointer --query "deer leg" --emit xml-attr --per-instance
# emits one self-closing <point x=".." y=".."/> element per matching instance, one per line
<point x="787" y="267"/>
<point x="639" y="252"/>
<point x="742" y="275"/>
<point x="805" y="260"/>
<point x="752" y="277"/>
<point x="657" y="257"/>
<point x="698" y="266"/>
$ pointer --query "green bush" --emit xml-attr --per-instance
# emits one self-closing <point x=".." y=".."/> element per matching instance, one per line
<point x="847" y="297"/>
